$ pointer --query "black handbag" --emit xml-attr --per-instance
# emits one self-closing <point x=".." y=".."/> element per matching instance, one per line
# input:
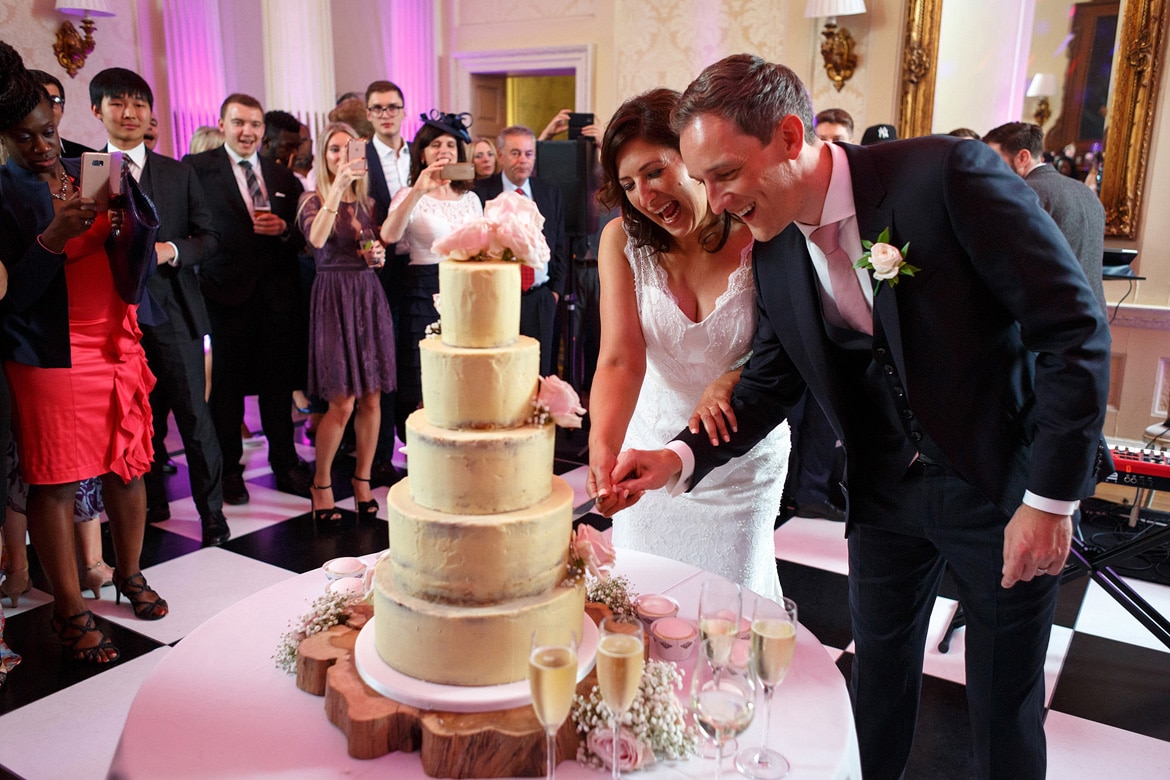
<point x="131" y="248"/>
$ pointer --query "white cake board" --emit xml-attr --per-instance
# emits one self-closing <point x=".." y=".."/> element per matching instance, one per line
<point x="402" y="688"/>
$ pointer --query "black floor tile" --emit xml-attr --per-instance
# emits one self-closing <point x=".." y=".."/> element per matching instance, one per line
<point x="45" y="669"/>
<point x="942" y="736"/>
<point x="1115" y="683"/>
<point x="300" y="544"/>
<point x="823" y="598"/>
<point x="7" y="774"/>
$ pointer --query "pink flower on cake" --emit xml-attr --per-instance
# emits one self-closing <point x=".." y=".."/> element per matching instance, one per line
<point x="469" y="240"/>
<point x="560" y="401"/>
<point x="594" y="549"/>
<point x="632" y="754"/>
<point x="509" y="230"/>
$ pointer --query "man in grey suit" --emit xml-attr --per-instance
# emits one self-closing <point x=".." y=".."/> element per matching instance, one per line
<point x="1075" y="208"/>
<point x="123" y="102"/>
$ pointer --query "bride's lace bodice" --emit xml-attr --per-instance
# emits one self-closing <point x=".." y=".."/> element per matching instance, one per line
<point x="725" y="524"/>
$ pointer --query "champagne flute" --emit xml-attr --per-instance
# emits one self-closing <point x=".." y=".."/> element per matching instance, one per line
<point x="552" y="677"/>
<point x="722" y="701"/>
<point x="720" y="608"/>
<point x="619" y="671"/>
<point x="773" y="643"/>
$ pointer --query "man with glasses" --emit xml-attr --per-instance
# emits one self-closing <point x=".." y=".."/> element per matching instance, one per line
<point x="388" y="161"/>
<point x="57" y="95"/>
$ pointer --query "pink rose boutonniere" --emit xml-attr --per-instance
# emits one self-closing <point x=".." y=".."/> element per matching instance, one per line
<point x="887" y="261"/>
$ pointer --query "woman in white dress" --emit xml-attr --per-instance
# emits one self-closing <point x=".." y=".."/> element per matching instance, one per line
<point x="429" y="209"/>
<point x="678" y="312"/>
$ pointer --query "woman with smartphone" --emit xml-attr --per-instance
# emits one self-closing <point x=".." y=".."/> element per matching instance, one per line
<point x="439" y="199"/>
<point x="78" y="375"/>
<point x="351" y="341"/>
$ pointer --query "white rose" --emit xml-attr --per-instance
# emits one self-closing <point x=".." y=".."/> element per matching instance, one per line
<point x="886" y="260"/>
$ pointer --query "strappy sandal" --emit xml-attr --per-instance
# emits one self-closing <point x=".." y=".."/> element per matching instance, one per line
<point x="134" y="588"/>
<point x="366" y="510"/>
<point x="72" y="630"/>
<point x="330" y="515"/>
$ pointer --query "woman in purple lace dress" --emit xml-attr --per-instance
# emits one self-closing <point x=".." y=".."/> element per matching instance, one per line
<point x="351" y="350"/>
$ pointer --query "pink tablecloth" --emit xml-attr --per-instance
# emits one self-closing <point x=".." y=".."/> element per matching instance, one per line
<point x="216" y="705"/>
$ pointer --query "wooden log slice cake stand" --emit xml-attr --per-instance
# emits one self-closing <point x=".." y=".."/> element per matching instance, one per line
<point x="503" y="743"/>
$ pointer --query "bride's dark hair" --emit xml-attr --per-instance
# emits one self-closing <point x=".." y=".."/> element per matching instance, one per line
<point x="646" y="117"/>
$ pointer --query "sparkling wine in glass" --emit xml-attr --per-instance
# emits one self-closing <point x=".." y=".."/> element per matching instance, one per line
<point x="722" y="702"/>
<point x="552" y="678"/>
<point x="619" y="671"/>
<point x="772" y="646"/>
<point x="720" y="607"/>
<point x="368" y="242"/>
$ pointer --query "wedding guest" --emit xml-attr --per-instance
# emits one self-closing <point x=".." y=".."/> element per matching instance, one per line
<point x="74" y="363"/>
<point x="834" y="124"/>
<point x="150" y="137"/>
<point x="487" y="162"/>
<point x="249" y="284"/>
<point x="351" y="357"/>
<point x="968" y="389"/>
<point x="56" y="91"/>
<point x="678" y="311"/>
<point x="205" y="138"/>
<point x="427" y="210"/>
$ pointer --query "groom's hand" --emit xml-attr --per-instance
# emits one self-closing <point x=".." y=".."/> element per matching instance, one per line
<point x="1035" y="543"/>
<point x="640" y="470"/>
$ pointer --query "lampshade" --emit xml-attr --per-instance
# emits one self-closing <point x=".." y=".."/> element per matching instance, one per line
<point x="815" y="9"/>
<point x="1043" y="85"/>
<point x="83" y="7"/>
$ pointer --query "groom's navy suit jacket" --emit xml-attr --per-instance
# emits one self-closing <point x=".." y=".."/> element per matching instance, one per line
<point x="995" y="353"/>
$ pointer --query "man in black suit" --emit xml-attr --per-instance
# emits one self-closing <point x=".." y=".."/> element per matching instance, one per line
<point x="969" y="396"/>
<point x="52" y="85"/>
<point x="1075" y="208"/>
<point x="538" y="303"/>
<point x="250" y="286"/>
<point x="123" y="102"/>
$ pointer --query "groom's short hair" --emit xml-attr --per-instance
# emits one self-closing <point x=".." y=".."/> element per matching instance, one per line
<point x="752" y="92"/>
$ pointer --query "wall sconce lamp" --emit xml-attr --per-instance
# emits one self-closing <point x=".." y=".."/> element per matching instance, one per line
<point x="72" y="47"/>
<point x="1043" y="86"/>
<point x="837" y="48"/>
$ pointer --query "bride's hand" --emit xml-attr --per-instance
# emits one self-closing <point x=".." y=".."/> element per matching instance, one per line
<point x="714" y="411"/>
<point x="598" y="485"/>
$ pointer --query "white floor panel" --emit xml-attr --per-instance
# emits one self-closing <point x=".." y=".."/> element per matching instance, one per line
<point x="196" y="586"/>
<point x="1079" y="748"/>
<point x="816" y="543"/>
<point x="1104" y="617"/>
<point x="73" y="733"/>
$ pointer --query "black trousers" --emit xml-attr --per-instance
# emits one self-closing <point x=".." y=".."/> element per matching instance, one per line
<point x="250" y="354"/>
<point x="893" y="580"/>
<point x="538" y="319"/>
<point x="177" y="364"/>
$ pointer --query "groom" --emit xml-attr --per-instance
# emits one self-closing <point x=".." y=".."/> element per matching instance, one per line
<point x="969" y="396"/>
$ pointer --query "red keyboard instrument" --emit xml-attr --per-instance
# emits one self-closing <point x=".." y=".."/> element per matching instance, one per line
<point x="1141" y="468"/>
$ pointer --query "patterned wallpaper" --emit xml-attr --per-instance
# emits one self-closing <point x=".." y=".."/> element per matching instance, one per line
<point x="667" y="42"/>
<point x="30" y="26"/>
<point x="477" y="12"/>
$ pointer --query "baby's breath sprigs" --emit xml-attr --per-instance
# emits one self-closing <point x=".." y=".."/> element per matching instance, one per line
<point x="613" y="592"/>
<point x="655" y="718"/>
<point x="325" y="613"/>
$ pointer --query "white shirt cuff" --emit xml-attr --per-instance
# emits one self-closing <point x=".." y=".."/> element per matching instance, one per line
<point x="678" y="485"/>
<point x="1052" y="505"/>
<point x="174" y="261"/>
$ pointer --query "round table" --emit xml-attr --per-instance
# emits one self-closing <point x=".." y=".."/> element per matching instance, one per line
<point x="217" y="706"/>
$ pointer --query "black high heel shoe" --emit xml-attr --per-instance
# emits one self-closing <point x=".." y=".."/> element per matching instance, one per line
<point x="72" y="629"/>
<point x="366" y="510"/>
<point x="134" y="588"/>
<point x="330" y="515"/>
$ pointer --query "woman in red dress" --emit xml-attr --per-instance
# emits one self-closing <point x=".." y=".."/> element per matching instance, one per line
<point x="78" y="375"/>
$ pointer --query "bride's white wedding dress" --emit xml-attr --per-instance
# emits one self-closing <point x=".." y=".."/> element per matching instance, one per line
<point x="724" y="525"/>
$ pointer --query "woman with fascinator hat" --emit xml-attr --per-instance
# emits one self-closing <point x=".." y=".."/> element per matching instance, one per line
<point x="429" y="209"/>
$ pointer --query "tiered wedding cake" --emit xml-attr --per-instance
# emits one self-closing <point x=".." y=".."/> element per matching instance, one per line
<point x="479" y="531"/>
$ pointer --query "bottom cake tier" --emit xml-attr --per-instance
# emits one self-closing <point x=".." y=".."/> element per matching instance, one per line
<point x="459" y="645"/>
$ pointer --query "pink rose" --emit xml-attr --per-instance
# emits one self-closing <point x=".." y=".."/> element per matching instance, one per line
<point x="561" y="400"/>
<point x="592" y="547"/>
<point x="466" y="241"/>
<point x="632" y="754"/>
<point x="519" y="225"/>
<point x="886" y="260"/>
<point x="435" y="299"/>
<point x="509" y="207"/>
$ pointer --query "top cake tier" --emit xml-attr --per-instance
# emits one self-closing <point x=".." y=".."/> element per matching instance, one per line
<point x="480" y="304"/>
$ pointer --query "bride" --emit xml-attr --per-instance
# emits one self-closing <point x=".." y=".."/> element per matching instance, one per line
<point x="678" y="312"/>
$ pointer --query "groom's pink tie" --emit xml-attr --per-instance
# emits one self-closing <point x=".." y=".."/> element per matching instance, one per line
<point x="851" y="303"/>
